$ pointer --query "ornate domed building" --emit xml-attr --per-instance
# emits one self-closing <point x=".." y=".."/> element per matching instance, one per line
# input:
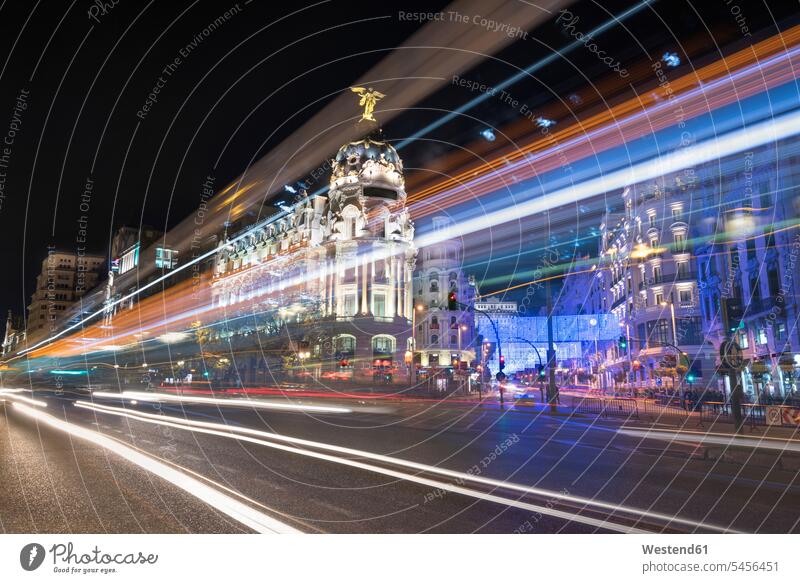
<point x="327" y="284"/>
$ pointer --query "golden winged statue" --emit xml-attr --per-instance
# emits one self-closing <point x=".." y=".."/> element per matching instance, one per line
<point x="369" y="98"/>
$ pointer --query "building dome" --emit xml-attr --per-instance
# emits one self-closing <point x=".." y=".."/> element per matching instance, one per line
<point x="372" y="164"/>
<point x="352" y="157"/>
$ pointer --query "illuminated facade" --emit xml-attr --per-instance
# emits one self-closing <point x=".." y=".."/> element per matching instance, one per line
<point x="443" y="337"/>
<point x="328" y="282"/>
<point x="523" y="338"/>
<point x="65" y="277"/>
<point x="680" y="244"/>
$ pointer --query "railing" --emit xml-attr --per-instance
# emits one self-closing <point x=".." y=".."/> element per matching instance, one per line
<point x="606" y="407"/>
<point x="752" y="414"/>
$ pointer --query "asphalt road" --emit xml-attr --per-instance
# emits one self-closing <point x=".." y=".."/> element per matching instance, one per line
<point x="576" y="471"/>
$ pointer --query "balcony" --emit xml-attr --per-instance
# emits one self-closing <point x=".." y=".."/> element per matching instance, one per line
<point x="669" y="278"/>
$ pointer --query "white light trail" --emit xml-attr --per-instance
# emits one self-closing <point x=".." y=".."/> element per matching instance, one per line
<point x="772" y="443"/>
<point x="243" y="433"/>
<point x="228" y="505"/>
<point x="712" y="149"/>
<point x="249" y="403"/>
<point x="14" y="395"/>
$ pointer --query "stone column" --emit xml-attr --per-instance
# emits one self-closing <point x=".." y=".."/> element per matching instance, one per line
<point x="390" y="297"/>
<point x="365" y="307"/>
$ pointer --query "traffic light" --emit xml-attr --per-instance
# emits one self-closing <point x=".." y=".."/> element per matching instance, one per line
<point x="540" y="367"/>
<point x="452" y="302"/>
<point x="622" y="343"/>
<point x="502" y="362"/>
<point x="733" y="313"/>
<point x="690" y="378"/>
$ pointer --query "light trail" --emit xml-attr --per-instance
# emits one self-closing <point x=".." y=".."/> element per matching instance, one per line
<point x="766" y="73"/>
<point x="243" y="433"/>
<point x="733" y="142"/>
<point x="716" y="239"/>
<point x="696" y="93"/>
<point x="13" y="395"/>
<point x="248" y="403"/>
<point x="771" y="443"/>
<point x="228" y="505"/>
<point x="527" y="72"/>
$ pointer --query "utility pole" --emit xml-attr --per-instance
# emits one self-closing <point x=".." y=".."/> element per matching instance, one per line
<point x="552" y="389"/>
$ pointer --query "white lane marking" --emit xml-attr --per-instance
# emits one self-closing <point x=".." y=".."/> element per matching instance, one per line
<point x="250" y="403"/>
<point x="237" y="510"/>
<point x="482" y="415"/>
<point x="242" y="433"/>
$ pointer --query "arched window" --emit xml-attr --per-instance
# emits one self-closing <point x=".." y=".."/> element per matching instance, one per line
<point x="434" y="339"/>
<point x="382" y="345"/>
<point x="345" y="345"/>
<point x="434" y="286"/>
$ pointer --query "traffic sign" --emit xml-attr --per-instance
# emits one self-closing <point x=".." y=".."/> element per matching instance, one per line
<point x="501" y="376"/>
<point x="731" y="354"/>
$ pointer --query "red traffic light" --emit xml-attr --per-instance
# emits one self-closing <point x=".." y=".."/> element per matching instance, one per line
<point x="452" y="302"/>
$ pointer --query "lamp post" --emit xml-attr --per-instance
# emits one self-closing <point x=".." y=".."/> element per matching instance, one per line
<point x="413" y="366"/>
<point x="461" y="328"/>
<point x="539" y="358"/>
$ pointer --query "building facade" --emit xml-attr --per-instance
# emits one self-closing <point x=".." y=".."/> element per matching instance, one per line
<point x="65" y="277"/>
<point x="444" y="337"/>
<point x="328" y="282"/>
<point x="676" y="247"/>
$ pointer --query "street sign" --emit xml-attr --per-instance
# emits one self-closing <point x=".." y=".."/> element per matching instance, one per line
<point x="731" y="354"/>
<point x="774" y="416"/>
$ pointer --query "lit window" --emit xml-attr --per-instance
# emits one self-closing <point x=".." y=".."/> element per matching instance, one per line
<point x="166" y="258"/>
<point x="743" y="342"/>
<point x="379" y="305"/>
<point x="350" y="305"/>
<point x="382" y="345"/>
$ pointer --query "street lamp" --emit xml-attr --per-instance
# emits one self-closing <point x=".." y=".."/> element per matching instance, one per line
<point x="461" y="328"/>
<point x="417" y="308"/>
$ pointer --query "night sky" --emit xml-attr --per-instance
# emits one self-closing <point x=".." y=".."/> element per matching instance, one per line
<point x="85" y="80"/>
